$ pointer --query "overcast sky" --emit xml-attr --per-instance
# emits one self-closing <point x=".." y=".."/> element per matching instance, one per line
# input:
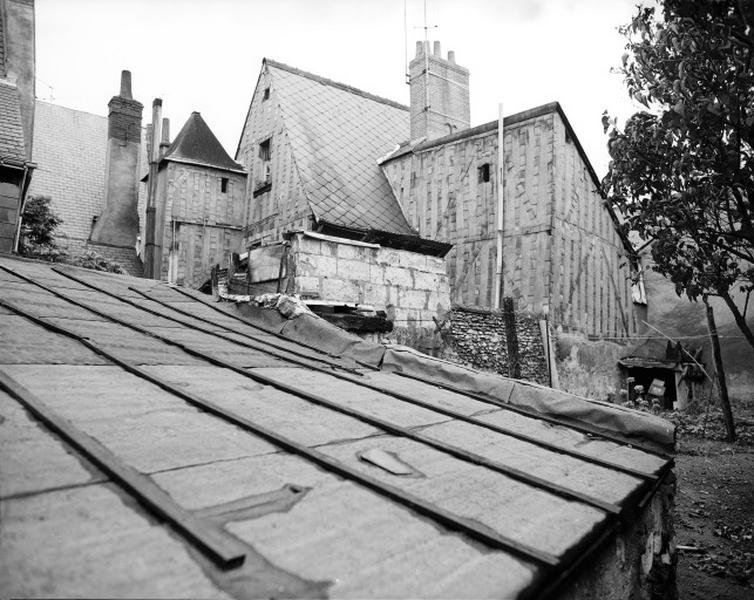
<point x="205" y="55"/>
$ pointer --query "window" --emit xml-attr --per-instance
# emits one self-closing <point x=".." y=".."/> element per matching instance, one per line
<point x="265" y="154"/>
<point x="265" y="150"/>
<point x="224" y="185"/>
<point x="483" y="173"/>
<point x="266" y="95"/>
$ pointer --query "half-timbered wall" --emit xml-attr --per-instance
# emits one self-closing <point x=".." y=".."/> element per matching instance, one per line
<point x="279" y="204"/>
<point x="201" y="223"/>
<point x="561" y="250"/>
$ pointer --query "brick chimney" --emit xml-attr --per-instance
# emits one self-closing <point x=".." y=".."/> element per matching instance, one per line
<point x="439" y="93"/>
<point x="119" y="223"/>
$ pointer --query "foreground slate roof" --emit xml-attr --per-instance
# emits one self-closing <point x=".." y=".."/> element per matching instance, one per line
<point x="196" y="144"/>
<point x="337" y="134"/>
<point x="309" y="473"/>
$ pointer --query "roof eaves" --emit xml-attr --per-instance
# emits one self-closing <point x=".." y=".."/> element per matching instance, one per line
<point x="187" y="161"/>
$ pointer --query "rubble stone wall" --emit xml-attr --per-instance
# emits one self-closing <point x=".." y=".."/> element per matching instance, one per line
<point x="411" y="288"/>
<point x="499" y="341"/>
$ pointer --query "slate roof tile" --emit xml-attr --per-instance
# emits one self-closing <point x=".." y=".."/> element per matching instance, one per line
<point x="12" y="144"/>
<point x="337" y="134"/>
<point x="196" y="143"/>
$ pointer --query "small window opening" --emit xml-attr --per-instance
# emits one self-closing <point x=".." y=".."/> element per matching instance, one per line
<point x="483" y="173"/>
<point x="224" y="185"/>
<point x="265" y="150"/>
<point x="266" y="95"/>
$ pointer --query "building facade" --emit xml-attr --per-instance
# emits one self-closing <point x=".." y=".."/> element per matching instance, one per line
<point x="563" y="254"/>
<point x="197" y="200"/>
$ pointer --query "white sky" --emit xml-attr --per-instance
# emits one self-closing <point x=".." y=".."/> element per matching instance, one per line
<point x="205" y="55"/>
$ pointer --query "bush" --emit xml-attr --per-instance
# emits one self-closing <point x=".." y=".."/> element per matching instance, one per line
<point x="92" y="260"/>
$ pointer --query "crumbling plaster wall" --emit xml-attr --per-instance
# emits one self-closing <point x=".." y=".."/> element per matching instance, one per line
<point x="640" y="562"/>
<point x="589" y="368"/>
<point x="411" y="288"/>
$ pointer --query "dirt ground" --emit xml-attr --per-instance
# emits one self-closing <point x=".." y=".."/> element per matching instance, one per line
<point x="715" y="506"/>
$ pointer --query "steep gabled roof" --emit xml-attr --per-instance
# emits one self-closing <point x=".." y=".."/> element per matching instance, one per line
<point x="337" y="134"/>
<point x="196" y="144"/>
<point x="12" y="144"/>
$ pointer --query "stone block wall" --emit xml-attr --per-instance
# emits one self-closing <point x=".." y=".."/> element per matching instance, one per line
<point x="411" y="288"/>
<point x="499" y="341"/>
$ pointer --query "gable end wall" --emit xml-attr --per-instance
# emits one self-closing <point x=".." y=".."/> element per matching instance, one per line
<point x="283" y="207"/>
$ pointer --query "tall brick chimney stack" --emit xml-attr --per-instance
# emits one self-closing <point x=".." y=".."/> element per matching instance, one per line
<point x="119" y="223"/>
<point x="439" y="93"/>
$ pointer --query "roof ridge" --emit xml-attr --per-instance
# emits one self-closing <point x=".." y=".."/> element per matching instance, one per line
<point x="335" y="84"/>
<point x="86" y="112"/>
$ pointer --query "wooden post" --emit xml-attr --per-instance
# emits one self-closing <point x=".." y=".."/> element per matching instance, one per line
<point x="511" y="338"/>
<point x="730" y="427"/>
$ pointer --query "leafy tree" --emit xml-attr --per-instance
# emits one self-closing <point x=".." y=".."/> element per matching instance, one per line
<point x="38" y="224"/>
<point x="682" y="171"/>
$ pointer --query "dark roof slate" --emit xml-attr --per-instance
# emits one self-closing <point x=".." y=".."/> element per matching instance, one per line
<point x="12" y="143"/>
<point x="337" y="135"/>
<point x="196" y="144"/>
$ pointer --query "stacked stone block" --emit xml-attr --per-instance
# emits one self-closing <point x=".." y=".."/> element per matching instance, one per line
<point x="411" y="288"/>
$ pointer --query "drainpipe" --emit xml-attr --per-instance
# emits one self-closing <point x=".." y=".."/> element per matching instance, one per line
<point x="499" y="286"/>
<point x="151" y="266"/>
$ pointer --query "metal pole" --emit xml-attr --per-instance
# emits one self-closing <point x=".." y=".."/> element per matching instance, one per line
<point x="499" y="286"/>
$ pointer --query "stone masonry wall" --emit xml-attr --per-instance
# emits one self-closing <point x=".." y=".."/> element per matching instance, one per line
<point x="490" y="340"/>
<point x="411" y="288"/>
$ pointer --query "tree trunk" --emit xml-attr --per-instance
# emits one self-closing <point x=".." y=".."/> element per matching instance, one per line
<point x="740" y="319"/>
<point x="730" y="427"/>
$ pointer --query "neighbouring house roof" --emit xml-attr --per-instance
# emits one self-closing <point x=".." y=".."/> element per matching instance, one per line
<point x="337" y="133"/>
<point x="70" y="147"/>
<point x="196" y="144"/>
<point x="278" y="465"/>
<point x="12" y="143"/>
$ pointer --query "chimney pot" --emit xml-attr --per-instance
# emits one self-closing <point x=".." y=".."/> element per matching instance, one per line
<point x="452" y="56"/>
<point x="125" y="85"/>
<point x="157" y="102"/>
<point x="437" y="50"/>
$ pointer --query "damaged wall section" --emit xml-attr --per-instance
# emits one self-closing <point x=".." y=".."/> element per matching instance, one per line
<point x="410" y="287"/>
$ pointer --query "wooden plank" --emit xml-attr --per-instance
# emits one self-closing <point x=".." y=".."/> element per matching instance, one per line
<point x="220" y="546"/>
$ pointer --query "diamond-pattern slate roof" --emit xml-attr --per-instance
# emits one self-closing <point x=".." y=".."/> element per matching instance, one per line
<point x="197" y="144"/>
<point x="12" y="146"/>
<point x="337" y="134"/>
